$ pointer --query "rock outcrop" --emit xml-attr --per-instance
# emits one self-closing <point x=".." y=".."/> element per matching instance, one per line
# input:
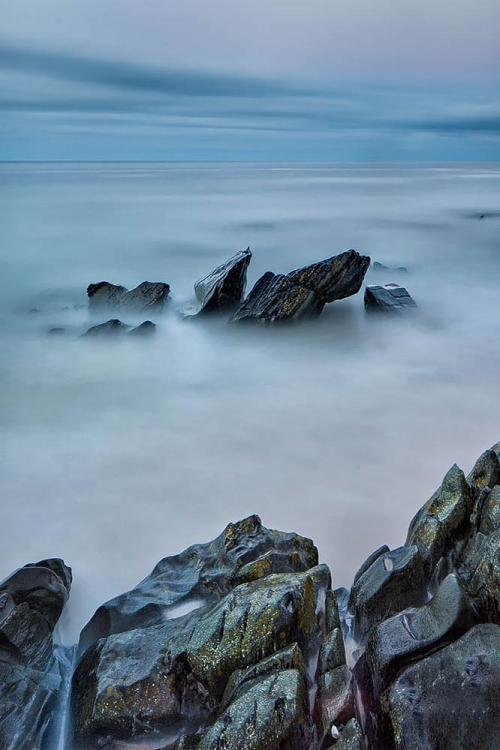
<point x="31" y="669"/>
<point x="114" y="327"/>
<point x="222" y="290"/>
<point x="241" y="643"/>
<point x="390" y="298"/>
<point x="300" y="294"/>
<point x="147" y="297"/>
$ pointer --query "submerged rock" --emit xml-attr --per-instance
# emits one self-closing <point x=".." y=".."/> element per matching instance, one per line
<point x="148" y="328"/>
<point x="148" y="296"/>
<point x="31" y="602"/>
<point x="224" y="288"/>
<point x="277" y="299"/>
<point x="113" y="327"/>
<point x="335" y="278"/>
<point x="390" y="298"/>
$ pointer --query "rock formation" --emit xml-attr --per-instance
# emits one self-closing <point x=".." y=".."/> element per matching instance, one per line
<point x="390" y="298"/>
<point x="242" y="644"/>
<point x="147" y="297"/>
<point x="223" y="289"/>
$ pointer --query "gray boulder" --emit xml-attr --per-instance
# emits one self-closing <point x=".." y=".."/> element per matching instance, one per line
<point x="334" y="278"/>
<point x="223" y="289"/>
<point x="31" y="674"/>
<point x="390" y="298"/>
<point x="277" y="300"/>
<point x="109" y="329"/>
<point x="147" y="297"/>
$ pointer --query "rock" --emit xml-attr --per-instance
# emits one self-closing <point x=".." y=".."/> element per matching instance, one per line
<point x="56" y="331"/>
<point x="486" y="471"/>
<point x="144" y="330"/>
<point x="480" y="567"/>
<point x="390" y="298"/>
<point x="223" y="289"/>
<point x="413" y="634"/>
<point x="351" y="737"/>
<point x="111" y="328"/>
<point x="335" y="278"/>
<point x="180" y="670"/>
<point x="202" y="574"/>
<point x="148" y="296"/>
<point x="335" y="698"/>
<point x="489" y="518"/>
<point x="31" y="602"/>
<point x="380" y="268"/>
<point x="332" y="652"/>
<point x="268" y="716"/>
<point x="393" y="582"/>
<point x="370" y="560"/>
<point x="443" y="523"/>
<point x="448" y="700"/>
<point x="276" y="299"/>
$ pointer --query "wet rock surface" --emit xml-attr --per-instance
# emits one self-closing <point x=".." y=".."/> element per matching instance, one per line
<point x="223" y="289"/>
<point x="390" y="298"/>
<point x="31" y="675"/>
<point x="242" y="643"/>
<point x="334" y="278"/>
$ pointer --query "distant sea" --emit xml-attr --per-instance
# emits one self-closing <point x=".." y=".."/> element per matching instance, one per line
<point x="115" y="455"/>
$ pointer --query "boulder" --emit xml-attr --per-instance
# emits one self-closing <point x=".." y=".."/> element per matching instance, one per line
<point x="335" y="699"/>
<point x="448" y="701"/>
<point x="393" y="582"/>
<point x="147" y="297"/>
<point x="223" y="289"/>
<point x="351" y="737"/>
<point x="276" y="300"/>
<point x="334" y="278"/>
<point x="144" y="330"/>
<point x="110" y="328"/>
<point x="31" y="675"/>
<point x="390" y="298"/>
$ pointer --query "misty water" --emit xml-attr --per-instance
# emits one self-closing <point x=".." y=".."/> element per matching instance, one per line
<point x="116" y="454"/>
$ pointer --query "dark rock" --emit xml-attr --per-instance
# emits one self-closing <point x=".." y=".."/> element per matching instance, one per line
<point x="489" y="518"/>
<point x="335" y="278"/>
<point x="380" y="268"/>
<point x="480" y="567"/>
<point x="269" y="715"/>
<point x="413" y="634"/>
<point x="145" y="329"/>
<point x="111" y="328"/>
<point x="393" y="582"/>
<point x="351" y="737"/>
<point x="200" y="575"/>
<point x="31" y="602"/>
<point x="223" y="289"/>
<point x="335" y="699"/>
<point x="370" y="560"/>
<point x="56" y="331"/>
<point x="486" y="471"/>
<point x="332" y="652"/>
<point x="148" y="296"/>
<point x="276" y="299"/>
<point x="443" y="523"/>
<point x="448" y="701"/>
<point x="390" y="298"/>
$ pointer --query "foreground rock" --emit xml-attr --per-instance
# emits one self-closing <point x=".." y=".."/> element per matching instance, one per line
<point x="223" y="289"/>
<point x="147" y="297"/>
<point x="31" y="674"/>
<point x="390" y="298"/>
<point x="236" y="669"/>
<point x="303" y="293"/>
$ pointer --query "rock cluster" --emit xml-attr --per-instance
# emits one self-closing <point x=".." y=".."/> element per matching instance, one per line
<point x="241" y="643"/>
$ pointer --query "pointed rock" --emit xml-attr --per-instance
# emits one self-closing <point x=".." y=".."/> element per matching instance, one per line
<point x="223" y="289"/>
<point x="390" y="298"/>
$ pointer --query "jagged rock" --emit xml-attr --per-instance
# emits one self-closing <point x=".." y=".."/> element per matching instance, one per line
<point x="489" y="516"/>
<point x="269" y="715"/>
<point x="332" y="617"/>
<point x="223" y="289"/>
<point x="413" y="634"/>
<point x="148" y="296"/>
<point x="332" y="652"/>
<point x="393" y="582"/>
<point x="351" y="737"/>
<point x="390" y="298"/>
<point x="444" y="521"/>
<point x="486" y="471"/>
<point x="31" y="602"/>
<point x="276" y="299"/>
<point x="113" y="327"/>
<point x="202" y="574"/>
<point x="176" y="674"/>
<point x="145" y="329"/>
<point x="370" y="560"/>
<point x="448" y="701"/>
<point x="335" y="698"/>
<point x="335" y="278"/>
<point x="480" y="567"/>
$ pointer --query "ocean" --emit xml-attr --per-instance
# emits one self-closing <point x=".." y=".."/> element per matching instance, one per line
<point x="116" y="454"/>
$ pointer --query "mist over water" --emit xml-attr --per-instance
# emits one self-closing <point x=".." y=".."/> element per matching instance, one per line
<point x="116" y="454"/>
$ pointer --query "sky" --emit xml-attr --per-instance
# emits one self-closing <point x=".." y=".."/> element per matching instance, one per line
<point x="267" y="80"/>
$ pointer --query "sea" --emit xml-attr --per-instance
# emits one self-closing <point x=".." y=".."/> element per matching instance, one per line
<point x="115" y="454"/>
